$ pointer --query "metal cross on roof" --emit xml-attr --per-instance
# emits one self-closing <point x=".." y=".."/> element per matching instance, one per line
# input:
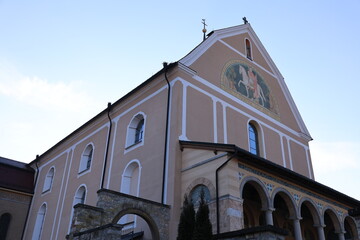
<point x="204" y="30"/>
<point x="245" y="20"/>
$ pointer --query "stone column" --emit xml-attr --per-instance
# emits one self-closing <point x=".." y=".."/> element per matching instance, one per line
<point x="269" y="216"/>
<point x="357" y="220"/>
<point x="341" y="235"/>
<point x="297" y="229"/>
<point x="320" y="230"/>
<point x="231" y="214"/>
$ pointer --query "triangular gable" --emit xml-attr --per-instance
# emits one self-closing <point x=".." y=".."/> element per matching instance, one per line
<point x="267" y="65"/>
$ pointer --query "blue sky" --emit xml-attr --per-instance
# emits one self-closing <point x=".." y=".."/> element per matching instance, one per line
<point x="62" y="61"/>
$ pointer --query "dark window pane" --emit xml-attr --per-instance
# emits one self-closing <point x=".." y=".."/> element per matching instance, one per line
<point x="253" y="140"/>
<point x="4" y="225"/>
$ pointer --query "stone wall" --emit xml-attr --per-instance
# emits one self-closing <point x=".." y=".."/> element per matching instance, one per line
<point x="17" y="205"/>
<point x="100" y="222"/>
<point x="231" y="213"/>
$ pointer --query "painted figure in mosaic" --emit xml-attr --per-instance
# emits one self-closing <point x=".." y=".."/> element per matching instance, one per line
<point x="243" y="79"/>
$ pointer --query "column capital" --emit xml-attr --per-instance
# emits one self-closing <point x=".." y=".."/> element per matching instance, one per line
<point x="296" y="218"/>
<point x="341" y="235"/>
<point x="268" y="209"/>
<point x="319" y="225"/>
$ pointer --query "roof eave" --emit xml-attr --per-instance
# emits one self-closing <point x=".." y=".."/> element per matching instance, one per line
<point x="275" y="169"/>
<point x="104" y="112"/>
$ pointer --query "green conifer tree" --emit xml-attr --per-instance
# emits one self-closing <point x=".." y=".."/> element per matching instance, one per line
<point x="187" y="221"/>
<point x="203" y="227"/>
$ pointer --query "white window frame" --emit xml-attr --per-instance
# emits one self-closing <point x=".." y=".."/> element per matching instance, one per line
<point x="76" y="202"/>
<point x="49" y="179"/>
<point x="246" y="50"/>
<point x="131" y="142"/>
<point x="83" y="168"/>
<point x="260" y="138"/>
<point x="126" y="178"/>
<point x="39" y="223"/>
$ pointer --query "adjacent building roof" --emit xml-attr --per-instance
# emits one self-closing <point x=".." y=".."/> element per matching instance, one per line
<point x="16" y="176"/>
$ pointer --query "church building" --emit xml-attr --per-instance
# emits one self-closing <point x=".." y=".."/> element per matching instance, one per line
<point x="221" y="121"/>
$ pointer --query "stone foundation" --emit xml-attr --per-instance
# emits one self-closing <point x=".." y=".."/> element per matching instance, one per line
<point x="267" y="232"/>
<point x="231" y="214"/>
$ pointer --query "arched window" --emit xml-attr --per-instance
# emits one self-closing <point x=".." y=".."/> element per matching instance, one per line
<point x="39" y="223"/>
<point x="195" y="194"/>
<point x="4" y="224"/>
<point x="49" y="180"/>
<point x="248" y="49"/>
<point x="86" y="158"/>
<point x="80" y="196"/>
<point x="139" y="131"/>
<point x="130" y="183"/>
<point x="253" y="139"/>
<point x="136" y="129"/>
<point x="131" y="178"/>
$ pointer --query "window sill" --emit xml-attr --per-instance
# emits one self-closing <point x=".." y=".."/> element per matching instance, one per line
<point x="134" y="146"/>
<point x="83" y="172"/>
<point x="45" y="191"/>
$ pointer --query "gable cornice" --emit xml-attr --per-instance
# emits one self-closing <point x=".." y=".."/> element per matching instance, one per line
<point x="246" y="28"/>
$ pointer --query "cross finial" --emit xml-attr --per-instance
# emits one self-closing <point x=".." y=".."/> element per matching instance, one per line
<point x="204" y="30"/>
<point x="245" y="20"/>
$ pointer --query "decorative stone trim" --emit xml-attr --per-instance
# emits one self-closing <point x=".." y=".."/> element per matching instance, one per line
<point x="202" y="181"/>
<point x="241" y="175"/>
<point x="296" y="188"/>
<point x="296" y="197"/>
<point x="320" y="205"/>
<point x="269" y="186"/>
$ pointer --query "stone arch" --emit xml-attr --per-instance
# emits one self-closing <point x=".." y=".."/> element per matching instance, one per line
<point x="260" y="187"/>
<point x="334" y="217"/>
<point x="115" y="205"/>
<point x="256" y="202"/>
<point x="350" y="228"/>
<point x="289" y="200"/>
<point x="284" y="211"/>
<point x="201" y="181"/>
<point x="310" y="218"/>
<point x="312" y="207"/>
<point x="148" y="219"/>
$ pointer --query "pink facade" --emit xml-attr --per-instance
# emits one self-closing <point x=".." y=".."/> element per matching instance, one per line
<point x="216" y="93"/>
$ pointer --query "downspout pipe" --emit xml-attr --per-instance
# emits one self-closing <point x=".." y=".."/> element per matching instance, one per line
<point x="32" y="197"/>
<point x="165" y="64"/>
<point x="107" y="145"/>
<point x="217" y="191"/>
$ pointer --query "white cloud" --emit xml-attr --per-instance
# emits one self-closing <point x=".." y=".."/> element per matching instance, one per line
<point x="337" y="165"/>
<point x="42" y="93"/>
<point x="335" y="156"/>
<point x="40" y="112"/>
